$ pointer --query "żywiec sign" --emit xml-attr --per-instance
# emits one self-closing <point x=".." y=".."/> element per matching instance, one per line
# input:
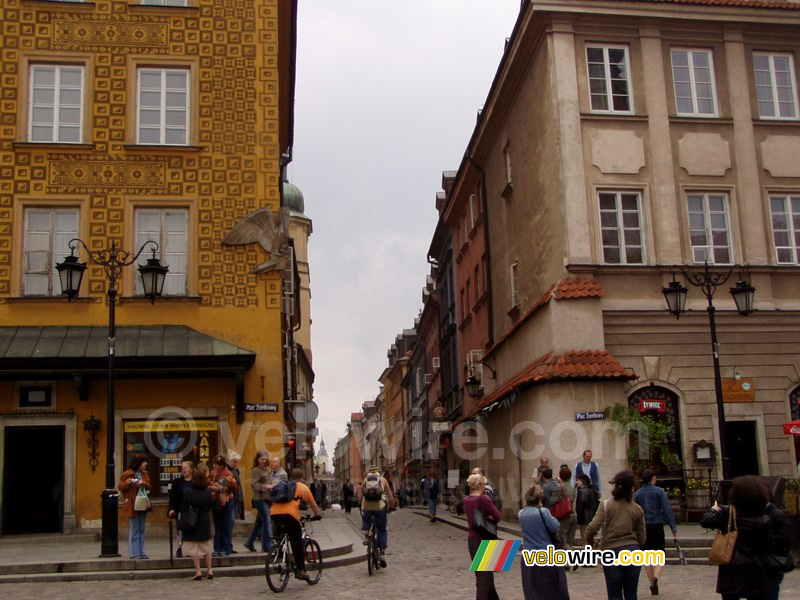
<point x="654" y="404"/>
<point x="590" y="416"/>
<point x="261" y="407"/>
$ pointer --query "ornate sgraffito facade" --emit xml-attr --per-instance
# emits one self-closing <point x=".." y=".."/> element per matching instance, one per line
<point x="120" y="123"/>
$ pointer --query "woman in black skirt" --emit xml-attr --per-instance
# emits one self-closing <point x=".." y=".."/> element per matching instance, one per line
<point x="657" y="511"/>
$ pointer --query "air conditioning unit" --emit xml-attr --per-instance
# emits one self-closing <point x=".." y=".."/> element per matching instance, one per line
<point x="428" y="378"/>
<point x="437" y="363"/>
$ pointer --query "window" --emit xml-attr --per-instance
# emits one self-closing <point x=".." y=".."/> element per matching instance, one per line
<point x="47" y="235"/>
<point x="775" y="86"/>
<point x="709" y="229"/>
<point x="476" y="278"/>
<point x="693" y="77"/>
<point x="170" y="229"/>
<point x="163" y="106"/>
<point x="468" y="307"/>
<point x="621" y="228"/>
<point x="474" y="209"/>
<point x="36" y="396"/>
<point x="514" y="291"/>
<point x="786" y="227"/>
<point x="56" y="103"/>
<point x="609" y="85"/>
<point x="507" y="159"/>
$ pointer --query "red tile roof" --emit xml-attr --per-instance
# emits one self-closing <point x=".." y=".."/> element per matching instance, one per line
<point x="780" y="4"/>
<point x="571" y="365"/>
<point x="577" y="287"/>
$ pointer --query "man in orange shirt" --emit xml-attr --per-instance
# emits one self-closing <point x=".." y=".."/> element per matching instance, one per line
<point x="286" y="516"/>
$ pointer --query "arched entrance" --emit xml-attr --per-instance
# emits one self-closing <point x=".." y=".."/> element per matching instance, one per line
<point x="662" y="405"/>
<point x="794" y="404"/>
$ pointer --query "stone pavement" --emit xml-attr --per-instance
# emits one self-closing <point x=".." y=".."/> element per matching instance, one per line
<point x="426" y="560"/>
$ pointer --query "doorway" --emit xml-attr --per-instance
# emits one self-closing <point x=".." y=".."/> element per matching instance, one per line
<point x="33" y="480"/>
<point x="742" y="447"/>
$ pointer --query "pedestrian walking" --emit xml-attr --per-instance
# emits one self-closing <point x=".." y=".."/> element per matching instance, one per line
<point x="197" y="540"/>
<point x="622" y="523"/>
<point x="753" y="573"/>
<point x="430" y="493"/>
<point x="177" y="489"/>
<point x="261" y="480"/>
<point x="479" y="500"/>
<point x="135" y="481"/>
<point x="569" y="523"/>
<point x="347" y="496"/>
<point x="586" y="502"/>
<point x="491" y="489"/>
<point x="223" y="487"/>
<point x="657" y="511"/>
<point x="545" y="582"/>
<point x="238" y="499"/>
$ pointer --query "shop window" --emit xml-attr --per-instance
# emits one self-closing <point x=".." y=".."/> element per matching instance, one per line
<point x="167" y="443"/>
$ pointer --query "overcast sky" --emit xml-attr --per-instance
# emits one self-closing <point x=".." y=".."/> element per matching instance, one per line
<point x="387" y="98"/>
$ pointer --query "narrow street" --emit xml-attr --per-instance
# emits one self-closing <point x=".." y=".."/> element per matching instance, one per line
<point x="424" y="559"/>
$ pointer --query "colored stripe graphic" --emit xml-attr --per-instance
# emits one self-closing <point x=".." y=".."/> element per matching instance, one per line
<point x="495" y="555"/>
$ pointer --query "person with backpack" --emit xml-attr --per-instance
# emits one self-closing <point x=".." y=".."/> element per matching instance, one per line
<point x="491" y="489"/>
<point x="377" y="499"/>
<point x="430" y="493"/>
<point x="286" y="497"/>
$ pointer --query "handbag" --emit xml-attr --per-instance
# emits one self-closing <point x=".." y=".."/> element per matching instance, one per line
<point x="482" y="526"/>
<point x="142" y="501"/>
<point x="555" y="537"/>
<point x="724" y="544"/>
<point x="562" y="508"/>
<point x="187" y="520"/>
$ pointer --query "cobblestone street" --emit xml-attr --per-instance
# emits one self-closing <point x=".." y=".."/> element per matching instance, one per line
<point x="424" y="559"/>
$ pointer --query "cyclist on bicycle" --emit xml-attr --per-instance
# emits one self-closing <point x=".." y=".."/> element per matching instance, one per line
<point x="286" y="516"/>
<point x="376" y="502"/>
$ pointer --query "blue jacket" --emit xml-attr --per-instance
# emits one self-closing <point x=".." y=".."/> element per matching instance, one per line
<point x="537" y="524"/>
<point x="655" y="504"/>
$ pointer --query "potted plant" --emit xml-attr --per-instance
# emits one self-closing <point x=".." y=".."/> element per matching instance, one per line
<point x="697" y="491"/>
<point x="676" y="502"/>
<point x="656" y="452"/>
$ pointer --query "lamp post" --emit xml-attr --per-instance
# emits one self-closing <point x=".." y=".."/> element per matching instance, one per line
<point x="70" y="273"/>
<point x="743" y="294"/>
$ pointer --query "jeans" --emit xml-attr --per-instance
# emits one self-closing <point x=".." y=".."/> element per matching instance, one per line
<point x="380" y="522"/>
<point x="263" y="525"/>
<point x="622" y="581"/>
<point x="234" y="511"/>
<point x="136" y="534"/>
<point x="432" y="506"/>
<point x="222" y="530"/>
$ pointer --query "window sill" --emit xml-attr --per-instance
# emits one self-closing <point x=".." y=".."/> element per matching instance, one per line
<point x="701" y="119"/>
<point x="171" y="299"/>
<point x="54" y="145"/>
<point x="506" y="193"/>
<point x="135" y="7"/>
<point x="59" y="3"/>
<point x="777" y="122"/>
<point x="163" y="148"/>
<point x="514" y="312"/>
<point x="614" y="116"/>
<point x="37" y="299"/>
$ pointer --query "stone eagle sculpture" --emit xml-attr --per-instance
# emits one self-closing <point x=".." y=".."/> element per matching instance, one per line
<point x="268" y="229"/>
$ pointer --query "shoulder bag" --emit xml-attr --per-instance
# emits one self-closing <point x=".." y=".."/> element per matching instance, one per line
<point x="142" y="502"/>
<point x="555" y="538"/>
<point x="724" y="544"/>
<point x="563" y="507"/>
<point x="482" y="526"/>
<point x="187" y="521"/>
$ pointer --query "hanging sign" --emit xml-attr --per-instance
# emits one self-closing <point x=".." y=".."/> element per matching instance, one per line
<point x="597" y="415"/>
<point x="260" y="407"/>
<point x="651" y="404"/>
<point x="738" y="390"/>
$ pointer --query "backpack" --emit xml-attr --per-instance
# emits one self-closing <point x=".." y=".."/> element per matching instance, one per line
<point x="373" y="491"/>
<point x="283" y="492"/>
<point x="494" y="496"/>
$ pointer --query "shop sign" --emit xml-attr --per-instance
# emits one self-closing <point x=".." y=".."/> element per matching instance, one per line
<point x="590" y="416"/>
<point x="738" y="390"/>
<point x="261" y="407"/>
<point x="651" y="404"/>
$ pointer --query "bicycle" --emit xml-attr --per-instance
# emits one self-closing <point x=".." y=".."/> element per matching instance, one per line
<point x="280" y="562"/>
<point x="373" y="552"/>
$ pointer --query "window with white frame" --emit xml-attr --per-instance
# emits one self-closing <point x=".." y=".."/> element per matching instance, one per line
<point x="514" y="289"/>
<point x="56" y="103"/>
<point x="609" y="79"/>
<point x="169" y="228"/>
<point x="785" y="210"/>
<point x="507" y="160"/>
<point x="163" y="106"/>
<point x="48" y="231"/>
<point x="776" y="88"/>
<point x="473" y="210"/>
<point x="621" y="228"/>
<point x="709" y="228"/>
<point x="693" y="79"/>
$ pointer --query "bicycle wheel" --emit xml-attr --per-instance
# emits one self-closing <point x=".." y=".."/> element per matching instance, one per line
<point x="277" y="570"/>
<point x="313" y="555"/>
<point x="371" y="545"/>
<point x="376" y="556"/>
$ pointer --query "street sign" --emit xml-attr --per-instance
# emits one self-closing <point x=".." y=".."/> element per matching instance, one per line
<point x="260" y="407"/>
<point x="590" y="416"/>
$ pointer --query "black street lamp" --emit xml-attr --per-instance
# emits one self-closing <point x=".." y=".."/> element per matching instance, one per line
<point x="70" y="272"/>
<point x="743" y="294"/>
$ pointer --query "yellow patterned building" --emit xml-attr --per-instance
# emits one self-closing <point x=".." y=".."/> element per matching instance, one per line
<point x="126" y="121"/>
